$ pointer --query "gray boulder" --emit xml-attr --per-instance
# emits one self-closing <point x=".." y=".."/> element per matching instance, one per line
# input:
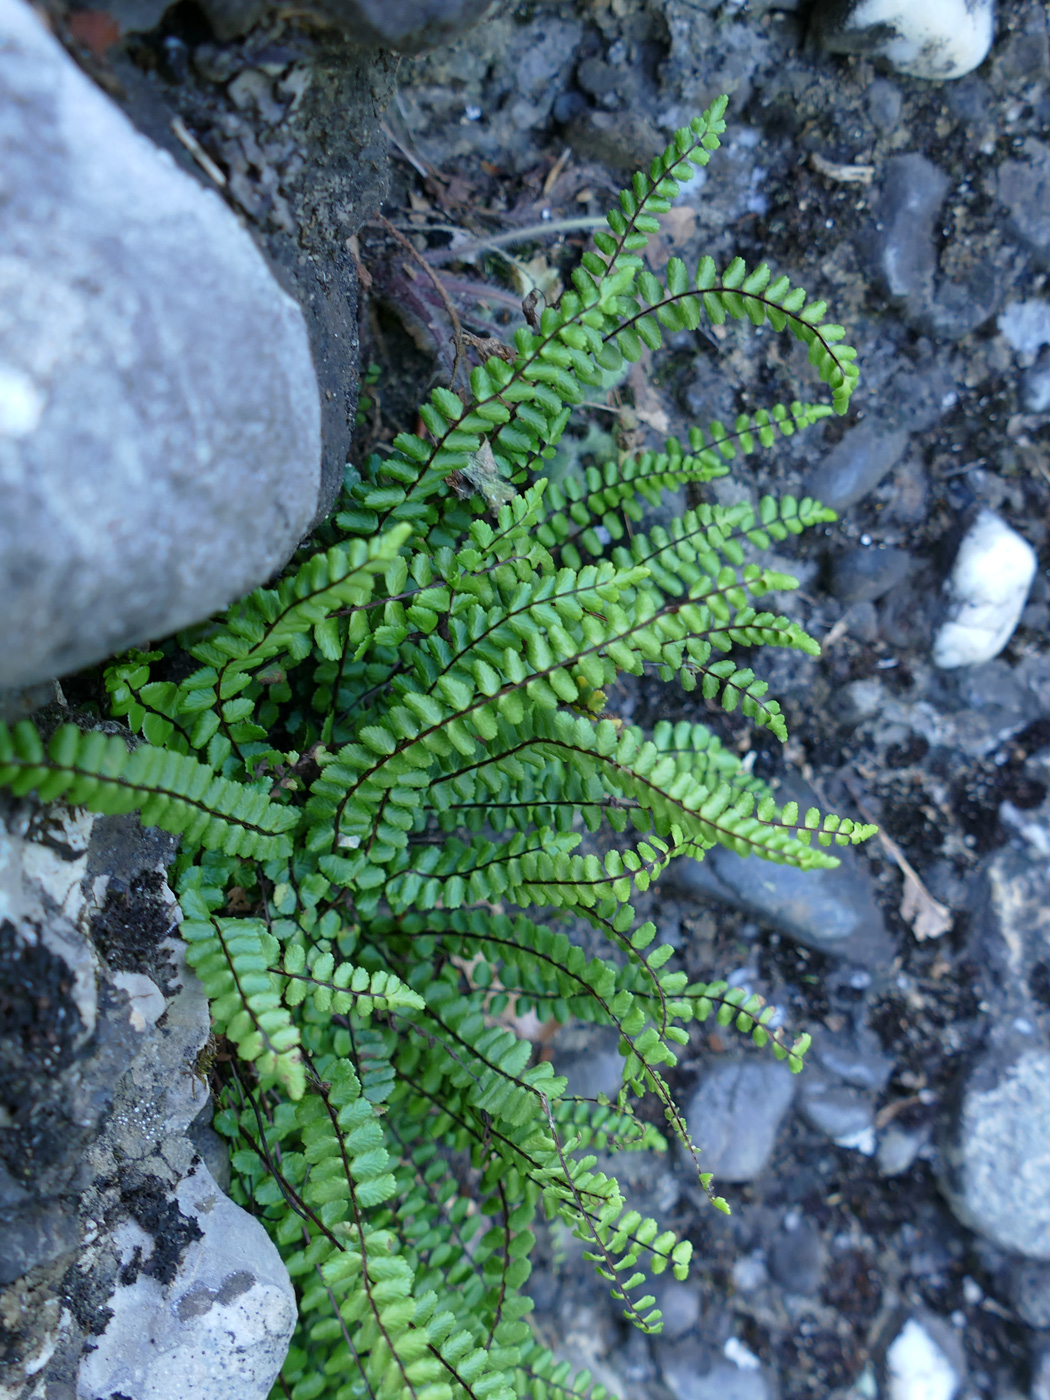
<point x="996" y="1150"/>
<point x="124" y="1270"/>
<point x="159" y="413"/>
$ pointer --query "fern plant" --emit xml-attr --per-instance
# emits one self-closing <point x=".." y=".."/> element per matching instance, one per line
<point x="400" y="797"/>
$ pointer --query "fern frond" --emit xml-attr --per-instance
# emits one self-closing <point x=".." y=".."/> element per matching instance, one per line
<point x="169" y="790"/>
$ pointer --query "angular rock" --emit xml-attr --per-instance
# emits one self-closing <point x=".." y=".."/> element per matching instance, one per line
<point x="1026" y="325"/>
<point x="797" y="1256"/>
<point x="913" y="190"/>
<point x="688" y="1379"/>
<point x="1029" y="1288"/>
<point x="1024" y="187"/>
<point x="159" y="412"/>
<point x="898" y="1149"/>
<point x="145" y="1280"/>
<point x="735" y="1114"/>
<point x="996" y="1150"/>
<point x="840" y="1112"/>
<point x="1036" y="385"/>
<point x="1011" y="927"/>
<point x="938" y="39"/>
<point x="988" y="587"/>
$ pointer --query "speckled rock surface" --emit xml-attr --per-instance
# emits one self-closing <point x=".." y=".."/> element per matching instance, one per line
<point x="997" y="1151"/>
<point x="123" y="1267"/>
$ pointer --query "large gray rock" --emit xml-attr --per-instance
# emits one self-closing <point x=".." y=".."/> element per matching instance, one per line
<point x="123" y="1268"/>
<point x="159" y="413"/>
<point x="996" y="1150"/>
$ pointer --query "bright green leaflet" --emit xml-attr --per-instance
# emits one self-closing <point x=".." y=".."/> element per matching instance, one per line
<point x="398" y="761"/>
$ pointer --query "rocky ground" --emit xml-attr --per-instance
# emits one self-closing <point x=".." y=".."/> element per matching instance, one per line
<point x="891" y="1207"/>
<point x="890" y="1232"/>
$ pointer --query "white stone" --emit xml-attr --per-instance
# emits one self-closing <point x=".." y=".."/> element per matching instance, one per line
<point x="989" y="585"/>
<point x="916" y="1367"/>
<point x="1026" y="326"/>
<point x="21" y="403"/>
<point x="146" y="999"/>
<point x="936" y="39"/>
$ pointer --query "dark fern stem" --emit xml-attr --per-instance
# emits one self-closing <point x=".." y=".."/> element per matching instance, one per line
<point x="382" y="768"/>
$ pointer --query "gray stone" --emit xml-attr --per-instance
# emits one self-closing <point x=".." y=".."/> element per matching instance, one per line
<point x="1011" y="923"/>
<point x="35" y="1237"/>
<point x="797" y="1256"/>
<point x="735" y="1114"/>
<point x="996" y="1150"/>
<point x="144" y="1279"/>
<point x="408" y="26"/>
<point x="898" y="1148"/>
<point x="833" y="911"/>
<point x="1026" y="326"/>
<point x="862" y="575"/>
<point x="159" y="414"/>
<point x="688" y="1378"/>
<point x="938" y="39"/>
<point x="1029" y="1288"/>
<point x="856" y="464"/>
<point x="853" y="1056"/>
<point x="1036" y="385"/>
<point x="679" y="1304"/>
<point x="1040" y="1372"/>
<point x="924" y="1361"/>
<point x="905" y="257"/>
<point x="1024" y="187"/>
<point x="840" y="1112"/>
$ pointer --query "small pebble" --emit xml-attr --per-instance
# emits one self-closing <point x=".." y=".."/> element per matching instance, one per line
<point x="938" y="39"/>
<point x="989" y="586"/>
<point x="1035" y="384"/>
<point x="1026" y="325"/>
<point x="862" y="575"/>
<point x="917" y="1368"/>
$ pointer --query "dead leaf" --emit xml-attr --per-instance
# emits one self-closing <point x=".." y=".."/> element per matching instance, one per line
<point x="927" y="916"/>
<point x="648" y="404"/>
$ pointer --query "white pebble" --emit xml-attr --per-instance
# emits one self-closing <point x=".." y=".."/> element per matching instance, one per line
<point x="917" y="1369"/>
<point x="1026" y="325"/>
<point x="937" y="39"/>
<point x="738" y="1354"/>
<point x="21" y="403"/>
<point x="988" y="587"/>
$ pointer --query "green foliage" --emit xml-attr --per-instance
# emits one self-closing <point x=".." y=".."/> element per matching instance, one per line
<point x="401" y="796"/>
